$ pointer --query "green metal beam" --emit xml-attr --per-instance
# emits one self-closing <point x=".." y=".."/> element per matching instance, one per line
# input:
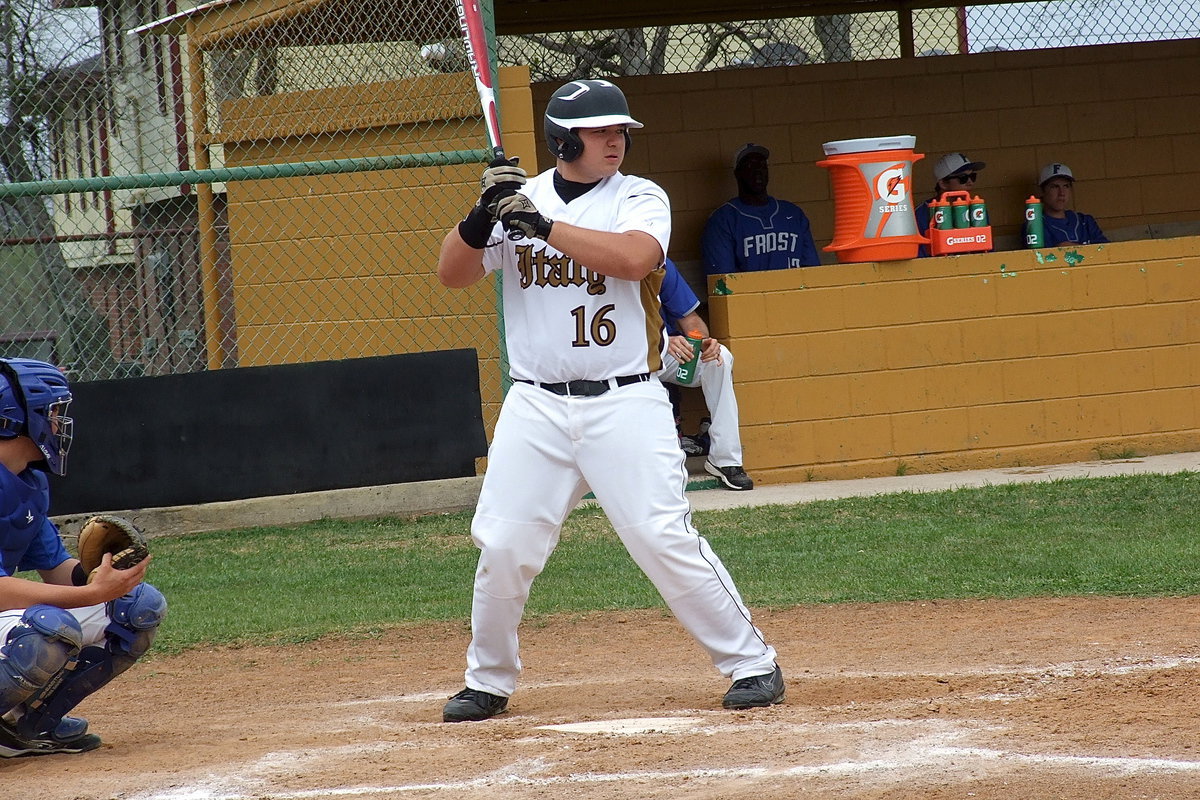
<point x="253" y="172"/>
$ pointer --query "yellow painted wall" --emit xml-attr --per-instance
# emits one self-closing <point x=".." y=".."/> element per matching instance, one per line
<point x="344" y="266"/>
<point x="1126" y="118"/>
<point x="967" y="362"/>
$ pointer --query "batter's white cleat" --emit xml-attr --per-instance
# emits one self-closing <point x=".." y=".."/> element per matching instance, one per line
<point x="472" y="705"/>
<point x="730" y="477"/>
<point x="757" y="691"/>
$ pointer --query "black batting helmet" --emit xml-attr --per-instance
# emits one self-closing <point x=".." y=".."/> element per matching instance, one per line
<point x="584" y="104"/>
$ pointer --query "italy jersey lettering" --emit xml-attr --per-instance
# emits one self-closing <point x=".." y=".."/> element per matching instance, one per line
<point x="539" y="269"/>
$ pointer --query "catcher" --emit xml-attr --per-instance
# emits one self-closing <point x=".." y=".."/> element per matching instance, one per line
<point x="89" y="618"/>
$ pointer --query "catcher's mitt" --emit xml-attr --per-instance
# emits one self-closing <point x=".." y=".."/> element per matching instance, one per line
<point x="105" y="534"/>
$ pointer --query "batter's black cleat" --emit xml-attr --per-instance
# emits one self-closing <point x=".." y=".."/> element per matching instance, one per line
<point x="758" y="691"/>
<point x="12" y="744"/>
<point x="472" y="705"/>
<point x="731" y="477"/>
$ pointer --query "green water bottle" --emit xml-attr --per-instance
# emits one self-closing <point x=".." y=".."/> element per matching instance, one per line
<point x="688" y="369"/>
<point x="941" y="215"/>
<point x="961" y="211"/>
<point x="1035" y="232"/>
<point x="979" y="212"/>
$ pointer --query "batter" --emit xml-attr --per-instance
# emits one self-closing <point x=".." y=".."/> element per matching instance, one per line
<point x="581" y="248"/>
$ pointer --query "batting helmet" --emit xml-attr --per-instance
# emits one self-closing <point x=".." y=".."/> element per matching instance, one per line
<point x="34" y="397"/>
<point x="584" y="104"/>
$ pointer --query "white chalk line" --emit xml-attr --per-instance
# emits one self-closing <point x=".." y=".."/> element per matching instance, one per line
<point x="934" y="749"/>
<point x="1065" y="669"/>
<point x="233" y="787"/>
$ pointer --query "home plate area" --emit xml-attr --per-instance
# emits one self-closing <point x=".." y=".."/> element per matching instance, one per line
<point x="1072" y="699"/>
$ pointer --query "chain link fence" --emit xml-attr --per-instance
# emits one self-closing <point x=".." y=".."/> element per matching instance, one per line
<point x="246" y="183"/>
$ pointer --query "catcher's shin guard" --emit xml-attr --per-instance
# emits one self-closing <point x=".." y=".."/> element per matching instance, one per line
<point x="36" y="649"/>
<point x="135" y="619"/>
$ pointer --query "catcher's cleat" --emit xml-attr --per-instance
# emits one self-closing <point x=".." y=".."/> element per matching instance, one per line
<point x="757" y="691"/>
<point x="472" y="705"/>
<point x="730" y="477"/>
<point x="13" y="744"/>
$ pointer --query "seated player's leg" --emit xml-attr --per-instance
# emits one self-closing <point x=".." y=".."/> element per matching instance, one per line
<point x="725" y="448"/>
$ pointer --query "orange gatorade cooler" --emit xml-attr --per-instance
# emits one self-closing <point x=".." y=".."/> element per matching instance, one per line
<point x="874" y="218"/>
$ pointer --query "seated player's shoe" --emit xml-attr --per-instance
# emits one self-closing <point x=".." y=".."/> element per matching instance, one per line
<point x="690" y="446"/>
<point x="758" y="691"/>
<point x="730" y="477"/>
<point x="70" y="736"/>
<point x="472" y="705"/>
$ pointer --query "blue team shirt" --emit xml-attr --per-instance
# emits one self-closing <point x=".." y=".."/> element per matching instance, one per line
<point x="676" y="298"/>
<point x="1080" y="228"/>
<point x="28" y="539"/>
<point x="922" y="215"/>
<point x="743" y="238"/>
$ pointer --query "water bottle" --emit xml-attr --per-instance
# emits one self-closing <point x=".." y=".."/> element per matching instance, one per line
<point x="979" y="212"/>
<point x="961" y="209"/>
<point x="941" y="215"/>
<point x="688" y="369"/>
<point x="1035" y="233"/>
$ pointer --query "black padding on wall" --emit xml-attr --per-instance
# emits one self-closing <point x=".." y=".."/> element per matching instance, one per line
<point x="261" y="431"/>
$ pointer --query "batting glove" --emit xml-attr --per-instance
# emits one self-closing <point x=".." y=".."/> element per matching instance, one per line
<point x="501" y="177"/>
<point x="503" y="172"/>
<point x="518" y="213"/>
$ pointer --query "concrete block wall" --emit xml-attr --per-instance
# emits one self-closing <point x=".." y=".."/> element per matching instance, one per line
<point x="341" y="266"/>
<point x="978" y="361"/>
<point x="1126" y="118"/>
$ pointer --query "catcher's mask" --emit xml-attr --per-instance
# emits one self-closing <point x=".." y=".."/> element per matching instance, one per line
<point x="584" y="104"/>
<point x="34" y="397"/>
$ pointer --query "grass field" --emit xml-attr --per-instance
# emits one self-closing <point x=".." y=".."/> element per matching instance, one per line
<point x="1128" y="536"/>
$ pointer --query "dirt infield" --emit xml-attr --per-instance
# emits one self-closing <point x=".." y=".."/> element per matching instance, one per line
<point x="1073" y="699"/>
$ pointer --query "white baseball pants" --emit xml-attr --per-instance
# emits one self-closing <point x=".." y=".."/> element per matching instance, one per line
<point x="547" y="452"/>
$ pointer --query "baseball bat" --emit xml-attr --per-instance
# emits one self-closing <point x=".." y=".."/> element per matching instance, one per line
<point x="470" y="20"/>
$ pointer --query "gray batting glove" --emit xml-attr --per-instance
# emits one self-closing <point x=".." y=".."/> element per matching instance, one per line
<point x="503" y="172"/>
<point x="518" y="214"/>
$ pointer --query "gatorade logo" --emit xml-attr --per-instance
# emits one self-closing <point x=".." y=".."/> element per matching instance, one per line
<point x="890" y="187"/>
<point x="1029" y="215"/>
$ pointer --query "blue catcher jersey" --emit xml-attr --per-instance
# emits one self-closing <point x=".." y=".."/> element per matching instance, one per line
<point x="742" y="238"/>
<point x="28" y="540"/>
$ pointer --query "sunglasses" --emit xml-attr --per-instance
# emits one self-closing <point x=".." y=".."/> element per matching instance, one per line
<point x="964" y="177"/>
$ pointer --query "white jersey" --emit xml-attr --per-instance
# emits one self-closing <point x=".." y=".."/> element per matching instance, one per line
<point x="562" y="320"/>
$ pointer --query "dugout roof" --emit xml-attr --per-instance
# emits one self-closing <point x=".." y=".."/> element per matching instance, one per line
<point x="241" y="23"/>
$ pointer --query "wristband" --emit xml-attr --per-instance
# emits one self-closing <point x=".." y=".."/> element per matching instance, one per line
<point x="476" y="228"/>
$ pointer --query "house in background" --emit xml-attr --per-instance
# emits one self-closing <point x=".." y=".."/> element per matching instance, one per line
<point x="124" y="111"/>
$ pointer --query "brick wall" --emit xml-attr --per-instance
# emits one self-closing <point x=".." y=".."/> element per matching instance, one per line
<point x="1126" y="118"/>
<point x="339" y="266"/>
<point x="1000" y="359"/>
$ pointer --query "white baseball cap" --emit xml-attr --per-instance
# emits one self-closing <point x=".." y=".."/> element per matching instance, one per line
<point x="1055" y="171"/>
<point x="750" y="149"/>
<point x="953" y="163"/>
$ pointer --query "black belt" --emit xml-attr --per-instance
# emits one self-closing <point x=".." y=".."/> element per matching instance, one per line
<point x="589" y="388"/>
